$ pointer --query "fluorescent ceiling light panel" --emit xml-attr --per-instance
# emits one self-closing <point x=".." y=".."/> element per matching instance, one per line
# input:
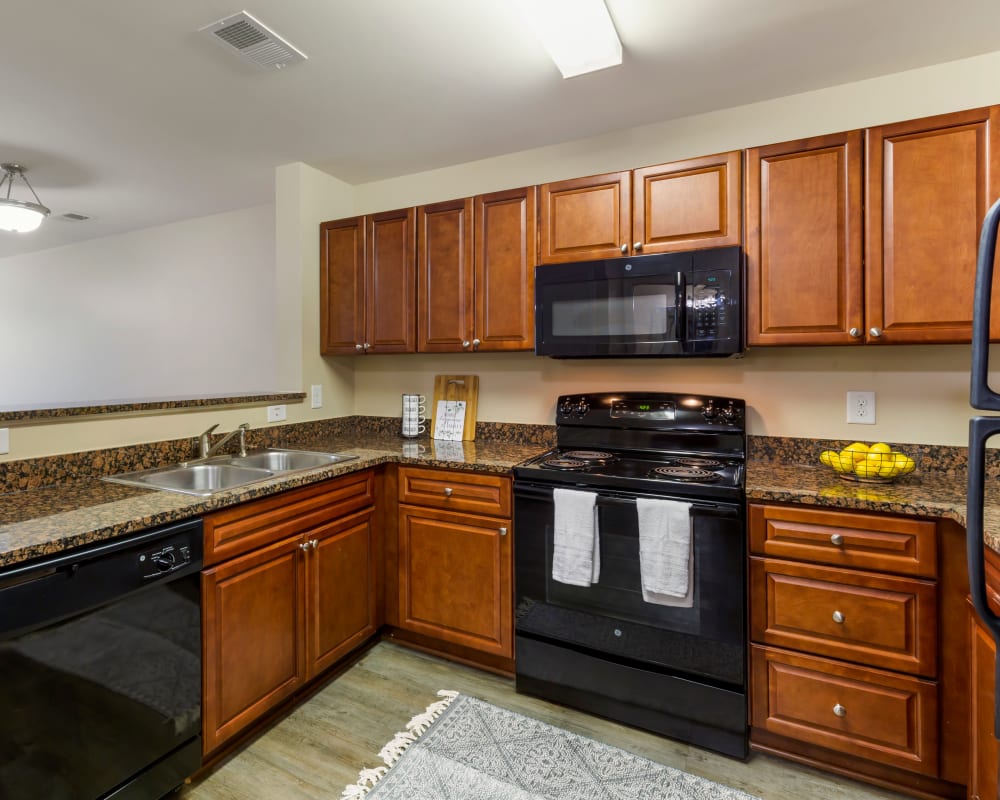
<point x="578" y="34"/>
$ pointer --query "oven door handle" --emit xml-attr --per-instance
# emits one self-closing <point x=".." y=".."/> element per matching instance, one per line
<point x="605" y="498"/>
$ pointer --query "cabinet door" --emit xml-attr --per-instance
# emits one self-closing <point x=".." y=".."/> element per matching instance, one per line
<point x="930" y="183"/>
<point x="984" y="752"/>
<point x="340" y="600"/>
<point x="455" y="578"/>
<point x="804" y="242"/>
<point x="585" y="218"/>
<point x="253" y="612"/>
<point x="446" y="303"/>
<point x="687" y="205"/>
<point x="505" y="270"/>
<point x="342" y="285"/>
<point x="391" y="282"/>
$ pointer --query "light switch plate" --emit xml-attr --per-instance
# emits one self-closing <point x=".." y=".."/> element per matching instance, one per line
<point x="861" y="408"/>
<point x="4" y="440"/>
<point x="276" y="413"/>
<point x="317" y="395"/>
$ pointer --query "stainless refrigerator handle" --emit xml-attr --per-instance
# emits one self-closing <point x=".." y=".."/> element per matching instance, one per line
<point x="980" y="429"/>
<point x="981" y="396"/>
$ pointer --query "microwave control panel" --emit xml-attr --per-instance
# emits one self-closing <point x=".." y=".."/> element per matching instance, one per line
<point x="708" y="306"/>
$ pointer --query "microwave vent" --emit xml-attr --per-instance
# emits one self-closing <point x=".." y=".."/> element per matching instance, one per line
<point x="252" y="40"/>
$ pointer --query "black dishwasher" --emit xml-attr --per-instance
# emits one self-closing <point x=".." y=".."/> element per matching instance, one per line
<point x="100" y="669"/>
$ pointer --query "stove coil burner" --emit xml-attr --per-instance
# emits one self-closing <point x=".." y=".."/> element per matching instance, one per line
<point x="590" y="457"/>
<point x="698" y="461"/>
<point x="565" y="463"/>
<point x="685" y="474"/>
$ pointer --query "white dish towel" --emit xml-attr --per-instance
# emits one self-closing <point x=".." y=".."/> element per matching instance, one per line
<point x="576" y="545"/>
<point x="666" y="558"/>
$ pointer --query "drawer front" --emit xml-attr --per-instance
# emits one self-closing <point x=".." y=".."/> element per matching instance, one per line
<point x="865" y="541"/>
<point x="875" y="715"/>
<point x="876" y="620"/>
<point x="479" y="493"/>
<point x="247" y="526"/>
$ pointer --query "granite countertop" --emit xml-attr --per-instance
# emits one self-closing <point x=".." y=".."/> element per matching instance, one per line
<point x="40" y="521"/>
<point x="71" y="513"/>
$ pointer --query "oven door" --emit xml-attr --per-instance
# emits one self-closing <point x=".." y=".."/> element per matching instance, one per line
<point x="703" y="642"/>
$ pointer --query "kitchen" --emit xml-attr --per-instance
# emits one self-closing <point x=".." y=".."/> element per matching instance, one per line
<point x="922" y="390"/>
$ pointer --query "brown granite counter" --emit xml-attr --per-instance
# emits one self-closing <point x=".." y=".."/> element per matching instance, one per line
<point x="46" y="520"/>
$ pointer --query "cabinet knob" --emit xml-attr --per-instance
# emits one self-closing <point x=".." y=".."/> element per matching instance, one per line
<point x="838" y="617"/>
<point x="466" y="343"/>
<point x="314" y="543"/>
<point x="447" y="491"/>
<point x="875" y="332"/>
<point x="836" y="539"/>
<point x="839" y="710"/>
<point x="476" y="342"/>
<point x="359" y="346"/>
<point x="855" y="332"/>
<point x="624" y="249"/>
<point x="503" y="531"/>
<point x="367" y="345"/>
<point x="637" y="246"/>
<point x="304" y="546"/>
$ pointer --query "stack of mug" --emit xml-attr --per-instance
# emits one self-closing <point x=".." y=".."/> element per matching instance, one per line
<point x="414" y="415"/>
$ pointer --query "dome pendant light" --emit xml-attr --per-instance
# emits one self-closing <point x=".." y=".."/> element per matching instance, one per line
<point x="19" y="216"/>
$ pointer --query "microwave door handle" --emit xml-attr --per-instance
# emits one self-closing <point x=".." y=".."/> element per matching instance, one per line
<point x="680" y="306"/>
<point x="980" y="429"/>
<point x="981" y="396"/>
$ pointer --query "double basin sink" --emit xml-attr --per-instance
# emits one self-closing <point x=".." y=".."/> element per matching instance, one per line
<point x="208" y="476"/>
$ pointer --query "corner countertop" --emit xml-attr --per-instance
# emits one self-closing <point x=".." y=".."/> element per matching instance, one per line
<point x="42" y="521"/>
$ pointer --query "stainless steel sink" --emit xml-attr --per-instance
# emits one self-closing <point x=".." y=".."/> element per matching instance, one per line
<point x="288" y="460"/>
<point x="196" y="479"/>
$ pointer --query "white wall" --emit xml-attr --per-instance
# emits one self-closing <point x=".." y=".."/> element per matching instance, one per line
<point x="180" y="310"/>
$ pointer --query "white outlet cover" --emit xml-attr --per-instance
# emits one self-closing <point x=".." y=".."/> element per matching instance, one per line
<point x="4" y="440"/>
<point x="276" y="413"/>
<point x="861" y="408"/>
<point x="317" y="395"/>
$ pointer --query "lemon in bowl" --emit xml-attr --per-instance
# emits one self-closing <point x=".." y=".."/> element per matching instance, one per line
<point x="876" y="463"/>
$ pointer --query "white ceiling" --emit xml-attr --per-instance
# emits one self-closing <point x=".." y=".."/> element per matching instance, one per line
<point x="122" y="111"/>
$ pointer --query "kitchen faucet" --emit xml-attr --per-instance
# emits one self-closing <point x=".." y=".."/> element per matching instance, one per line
<point x="206" y="449"/>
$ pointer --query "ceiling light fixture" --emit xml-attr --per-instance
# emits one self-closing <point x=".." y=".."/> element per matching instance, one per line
<point x="20" y="216"/>
<point x="578" y="34"/>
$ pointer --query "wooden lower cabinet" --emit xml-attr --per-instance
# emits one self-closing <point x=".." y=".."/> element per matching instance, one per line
<point x="984" y="759"/>
<point x="280" y="614"/>
<point x="454" y="567"/>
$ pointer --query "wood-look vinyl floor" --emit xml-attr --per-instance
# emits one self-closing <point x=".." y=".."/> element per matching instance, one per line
<point x="317" y="749"/>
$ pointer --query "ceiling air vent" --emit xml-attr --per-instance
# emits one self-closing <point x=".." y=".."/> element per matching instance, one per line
<point x="254" y="41"/>
<point x="74" y="217"/>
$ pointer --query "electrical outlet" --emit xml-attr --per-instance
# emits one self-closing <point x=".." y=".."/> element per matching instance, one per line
<point x="317" y="396"/>
<point x="861" y="407"/>
<point x="276" y="413"/>
<point x="4" y="440"/>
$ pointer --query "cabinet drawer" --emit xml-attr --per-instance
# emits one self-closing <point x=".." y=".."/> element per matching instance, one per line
<point x="877" y="620"/>
<point x="479" y="493"/>
<point x="875" y="715"/>
<point x="247" y="526"/>
<point x="889" y="544"/>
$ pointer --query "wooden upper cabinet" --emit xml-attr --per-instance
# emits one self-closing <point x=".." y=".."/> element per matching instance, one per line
<point x="475" y="273"/>
<point x="505" y="269"/>
<point x="804" y="242"/>
<point x="367" y="284"/>
<point x="930" y="183"/>
<point x="585" y="218"/>
<point x="342" y="285"/>
<point x="445" y="276"/>
<point x="390" y="277"/>
<point x="687" y="205"/>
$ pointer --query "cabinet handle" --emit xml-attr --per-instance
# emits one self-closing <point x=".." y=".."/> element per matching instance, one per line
<point x="465" y="344"/>
<point x="367" y="345"/>
<point x="304" y="546"/>
<point x="314" y="543"/>
<point x="875" y="332"/>
<point x="637" y="246"/>
<point x="624" y="249"/>
<point x="836" y="539"/>
<point x="855" y="332"/>
<point x="839" y="710"/>
<point x="503" y="531"/>
<point x="838" y="617"/>
<point x="447" y="491"/>
<point x="476" y="342"/>
<point x="359" y="347"/>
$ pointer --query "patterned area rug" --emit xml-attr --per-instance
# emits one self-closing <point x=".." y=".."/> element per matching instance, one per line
<point x="464" y="749"/>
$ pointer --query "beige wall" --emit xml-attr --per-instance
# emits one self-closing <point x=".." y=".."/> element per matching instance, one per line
<point x="921" y="391"/>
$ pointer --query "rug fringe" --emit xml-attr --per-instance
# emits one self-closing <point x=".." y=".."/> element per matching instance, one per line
<point x="393" y="751"/>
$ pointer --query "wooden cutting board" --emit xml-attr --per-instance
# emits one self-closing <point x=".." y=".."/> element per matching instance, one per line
<point x="457" y="387"/>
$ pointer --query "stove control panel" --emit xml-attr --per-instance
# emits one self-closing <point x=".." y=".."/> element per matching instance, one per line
<point x="573" y="407"/>
<point x="726" y="412"/>
<point x="632" y="409"/>
<point x="661" y="411"/>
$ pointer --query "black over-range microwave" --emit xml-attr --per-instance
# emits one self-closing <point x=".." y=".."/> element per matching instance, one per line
<point x="669" y="304"/>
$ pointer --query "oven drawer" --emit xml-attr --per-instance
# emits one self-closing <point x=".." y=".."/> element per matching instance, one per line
<point x="475" y="492"/>
<point x="864" y="541"/>
<point x="868" y="713"/>
<point x="878" y="620"/>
